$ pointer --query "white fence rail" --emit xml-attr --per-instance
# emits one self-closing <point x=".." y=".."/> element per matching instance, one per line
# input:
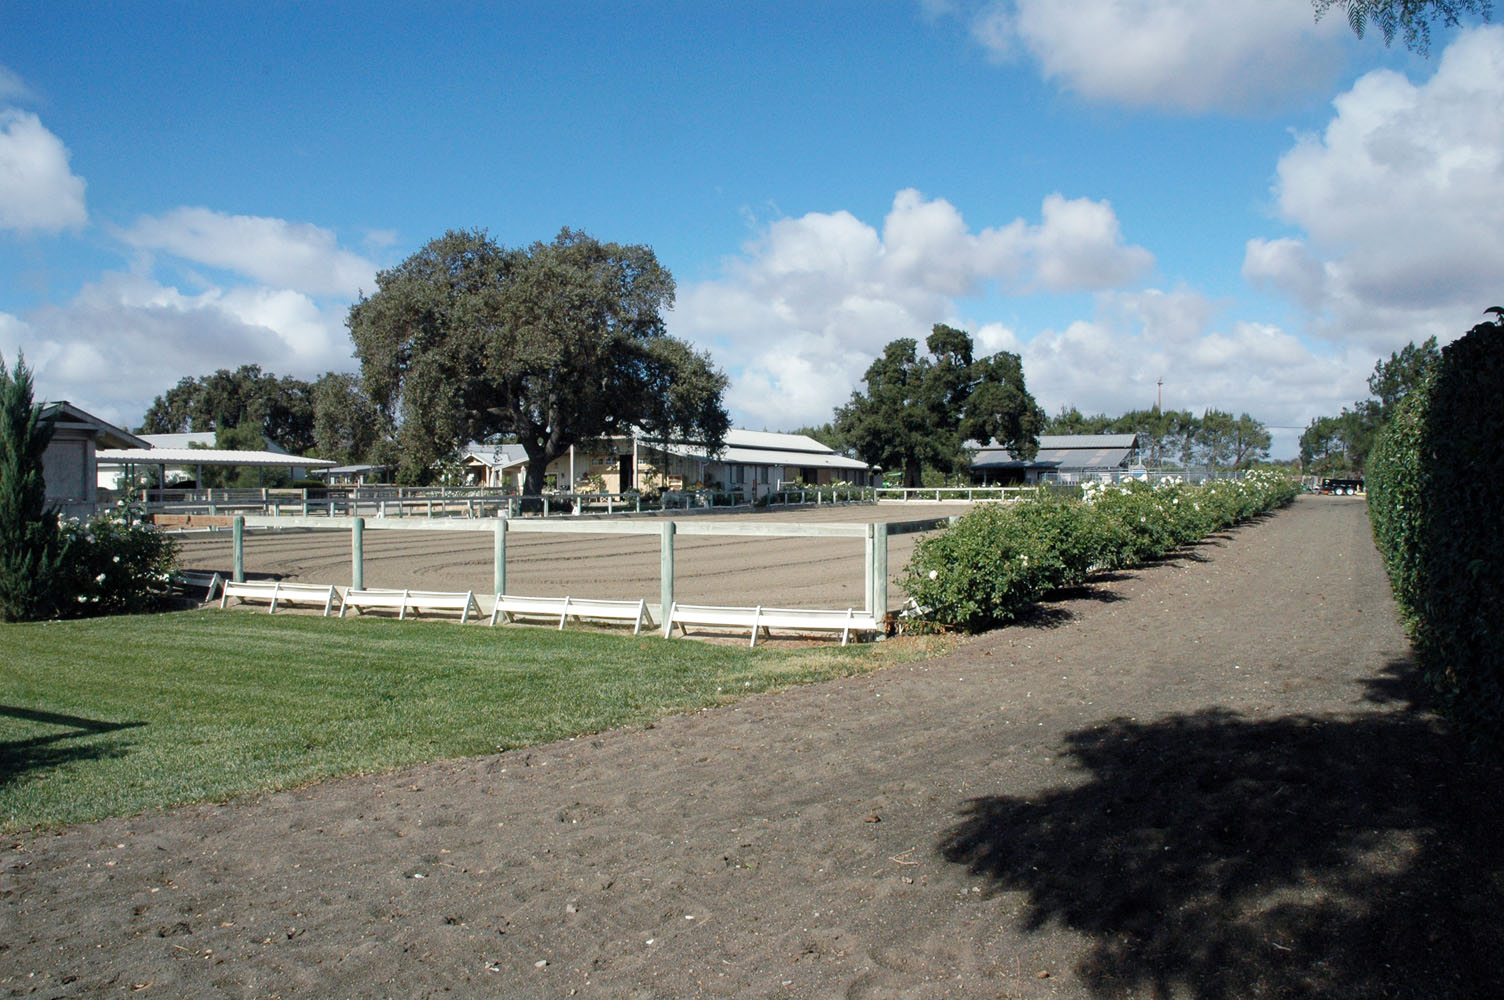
<point x="873" y="536"/>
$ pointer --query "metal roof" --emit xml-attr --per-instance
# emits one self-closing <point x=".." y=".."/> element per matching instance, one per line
<point x="206" y="456"/>
<point x="774" y="441"/>
<point x="200" y="439"/>
<point x="731" y="455"/>
<point x="1064" y="451"/>
<point x="502" y="456"/>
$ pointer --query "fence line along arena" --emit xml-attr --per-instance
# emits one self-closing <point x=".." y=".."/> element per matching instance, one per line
<point x="619" y="559"/>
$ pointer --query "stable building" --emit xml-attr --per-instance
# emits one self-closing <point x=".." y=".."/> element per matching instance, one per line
<point x="753" y="463"/>
<point x="1065" y="458"/>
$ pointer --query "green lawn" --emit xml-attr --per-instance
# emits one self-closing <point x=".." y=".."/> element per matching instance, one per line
<point x="114" y="716"/>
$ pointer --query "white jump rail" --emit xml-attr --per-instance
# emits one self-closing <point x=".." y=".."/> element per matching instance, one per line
<point x="402" y="601"/>
<point x="509" y="607"/>
<point x="761" y="618"/>
<point x="211" y="582"/>
<point x="278" y="592"/>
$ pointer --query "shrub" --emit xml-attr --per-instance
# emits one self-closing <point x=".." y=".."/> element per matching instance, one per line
<point x="1396" y="497"/>
<point x="994" y="562"/>
<point x="1141" y="528"/>
<point x="29" y="544"/>
<point x="116" y="564"/>
<point x="1458" y="590"/>
<point x="982" y="570"/>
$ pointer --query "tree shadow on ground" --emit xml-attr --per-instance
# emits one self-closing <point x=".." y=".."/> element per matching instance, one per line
<point x="19" y="757"/>
<point x="1218" y="857"/>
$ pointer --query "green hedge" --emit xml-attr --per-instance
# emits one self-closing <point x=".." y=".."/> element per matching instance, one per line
<point x="1436" y="497"/>
<point x="993" y="563"/>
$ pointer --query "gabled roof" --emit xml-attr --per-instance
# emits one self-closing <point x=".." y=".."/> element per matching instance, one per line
<point x="774" y="441"/>
<point x="69" y="416"/>
<point x="495" y="456"/>
<point x="1063" y="451"/>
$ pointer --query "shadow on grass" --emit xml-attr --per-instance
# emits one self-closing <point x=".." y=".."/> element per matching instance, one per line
<point x="1218" y="857"/>
<point x="18" y="757"/>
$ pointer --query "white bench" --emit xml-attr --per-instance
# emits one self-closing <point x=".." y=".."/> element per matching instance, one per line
<point x="211" y="582"/>
<point x="278" y="592"/>
<point x="402" y="601"/>
<point x="755" y="618"/>
<point x="511" y="606"/>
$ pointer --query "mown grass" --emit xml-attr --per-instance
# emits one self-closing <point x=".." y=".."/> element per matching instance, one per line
<point x="115" y="716"/>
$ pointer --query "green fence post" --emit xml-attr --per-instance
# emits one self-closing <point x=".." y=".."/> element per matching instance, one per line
<point x="357" y="554"/>
<point x="666" y="568"/>
<point x="237" y="572"/>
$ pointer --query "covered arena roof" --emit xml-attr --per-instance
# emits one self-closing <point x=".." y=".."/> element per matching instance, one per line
<point x="207" y="456"/>
<point x="1063" y="451"/>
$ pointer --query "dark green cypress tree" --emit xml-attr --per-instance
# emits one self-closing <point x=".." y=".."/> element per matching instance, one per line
<point x="29" y="555"/>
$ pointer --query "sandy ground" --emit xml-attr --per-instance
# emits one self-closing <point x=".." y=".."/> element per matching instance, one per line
<point x="1206" y="778"/>
<point x="727" y="570"/>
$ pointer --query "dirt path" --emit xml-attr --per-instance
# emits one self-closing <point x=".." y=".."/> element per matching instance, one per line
<point x="1204" y="778"/>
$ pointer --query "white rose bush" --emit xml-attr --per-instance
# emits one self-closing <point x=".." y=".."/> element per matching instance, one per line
<point x="995" y="562"/>
<point x="114" y="563"/>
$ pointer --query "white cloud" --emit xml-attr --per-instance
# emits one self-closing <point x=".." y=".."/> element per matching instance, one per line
<point x="1189" y="55"/>
<point x="799" y="316"/>
<point x="1114" y="365"/>
<point x="127" y="338"/>
<point x="13" y="88"/>
<point x="1401" y="199"/>
<point x="295" y="255"/>
<point x="38" y="190"/>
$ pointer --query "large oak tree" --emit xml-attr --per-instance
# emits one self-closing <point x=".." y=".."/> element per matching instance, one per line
<point x="920" y="411"/>
<point x="553" y="344"/>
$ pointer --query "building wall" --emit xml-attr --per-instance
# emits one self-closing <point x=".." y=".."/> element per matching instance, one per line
<point x="68" y="468"/>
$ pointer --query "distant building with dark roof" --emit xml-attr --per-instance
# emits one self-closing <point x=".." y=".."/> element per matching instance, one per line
<point x="1064" y="457"/>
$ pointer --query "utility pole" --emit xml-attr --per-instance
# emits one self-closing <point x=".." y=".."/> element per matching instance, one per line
<point x="1159" y="398"/>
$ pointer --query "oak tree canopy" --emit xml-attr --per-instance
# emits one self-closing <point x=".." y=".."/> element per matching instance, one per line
<point x="554" y="344"/>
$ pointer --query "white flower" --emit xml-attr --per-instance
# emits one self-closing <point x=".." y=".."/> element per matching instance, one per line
<point x="934" y="574"/>
<point x="1024" y="560"/>
<point x="99" y="578"/>
<point x="117" y="559"/>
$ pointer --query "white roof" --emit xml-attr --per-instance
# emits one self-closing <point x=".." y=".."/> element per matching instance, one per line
<point x="496" y="456"/>
<point x="198" y="439"/>
<point x="732" y="455"/>
<point x="774" y="440"/>
<point x="206" y="456"/>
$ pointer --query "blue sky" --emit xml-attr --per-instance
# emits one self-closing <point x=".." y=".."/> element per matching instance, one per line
<point x="1231" y="197"/>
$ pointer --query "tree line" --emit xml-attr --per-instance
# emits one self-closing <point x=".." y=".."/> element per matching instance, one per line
<point x="1339" y="445"/>
<point x="564" y="342"/>
<point x="923" y="416"/>
<point x="1168" y="438"/>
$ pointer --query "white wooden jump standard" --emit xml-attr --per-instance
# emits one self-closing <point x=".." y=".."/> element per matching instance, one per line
<point x="415" y="600"/>
<point x="276" y="590"/>
<point x="509" y="607"/>
<point x="763" y="619"/>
